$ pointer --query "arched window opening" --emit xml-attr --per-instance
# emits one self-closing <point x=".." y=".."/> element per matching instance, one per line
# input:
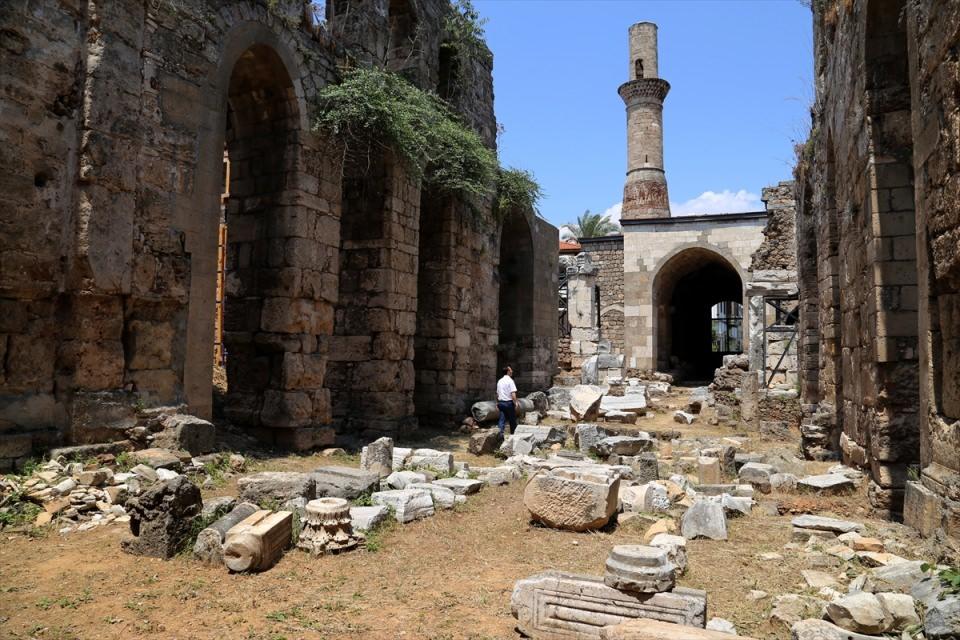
<point x="638" y="69"/>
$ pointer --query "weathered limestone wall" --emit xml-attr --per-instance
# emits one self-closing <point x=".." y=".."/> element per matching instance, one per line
<point x="878" y="226"/>
<point x="115" y="120"/>
<point x="650" y="246"/>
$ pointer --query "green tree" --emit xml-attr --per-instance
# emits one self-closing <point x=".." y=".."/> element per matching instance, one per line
<point x="592" y="225"/>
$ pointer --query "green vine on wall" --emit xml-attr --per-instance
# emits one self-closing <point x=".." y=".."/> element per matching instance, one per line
<point x="463" y="31"/>
<point x="373" y="109"/>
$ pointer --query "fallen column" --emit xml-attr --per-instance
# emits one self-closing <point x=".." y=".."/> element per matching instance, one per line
<point x="487" y="411"/>
<point x="257" y="543"/>
<point x="209" y="544"/>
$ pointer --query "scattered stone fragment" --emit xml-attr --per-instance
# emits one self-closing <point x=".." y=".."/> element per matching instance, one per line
<point x="828" y="484"/>
<point x="585" y="402"/>
<point x="873" y="559"/>
<point x="704" y="519"/>
<point x="900" y="577"/>
<point x="145" y="472"/>
<point x="792" y="608"/>
<point x="675" y="546"/>
<point x="516" y="445"/>
<point x="860" y="612"/>
<point x="166" y="474"/>
<point x="209" y="545"/>
<point x="162" y="517"/>
<point x="186" y="433"/>
<point x="586" y="436"/>
<point x="542" y="436"/>
<point x="571" y="499"/>
<point x="432" y="459"/>
<point x="400" y="479"/>
<point x="223" y="504"/>
<point x="485" y="441"/>
<point x="823" y="630"/>
<point x="443" y="498"/>
<point x="95" y="478"/>
<point x="819" y="579"/>
<point x="158" y="458"/>
<point x="348" y="483"/>
<point x="460" y="486"/>
<point x="683" y="417"/>
<point x="407" y="504"/>
<point x="841" y="551"/>
<point x="822" y="523"/>
<point x="496" y="476"/>
<point x="623" y="445"/>
<point x="650" y="497"/>
<point x="640" y="569"/>
<point x="366" y="518"/>
<point x="902" y="609"/>
<point x="756" y="594"/>
<point x="758" y="475"/>
<point x="276" y="487"/>
<point x="721" y="625"/>
<point x="643" y="629"/>
<point x="708" y="470"/>
<point x="783" y="482"/>
<point x="942" y="619"/>
<point x="377" y="457"/>
<point x="401" y="455"/>
<point x="662" y="526"/>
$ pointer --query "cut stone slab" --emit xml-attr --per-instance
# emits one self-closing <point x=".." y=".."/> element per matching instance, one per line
<point x="708" y="470"/>
<point x="640" y="569"/>
<point x="623" y="417"/>
<point x="401" y="479"/>
<point x="827" y="484"/>
<point x="660" y="527"/>
<point x="586" y="436"/>
<point x="898" y="578"/>
<point x="157" y="458"/>
<point x="683" y="417"/>
<point x="542" y="436"/>
<point x="570" y="500"/>
<point x="585" y="402"/>
<point x="407" y="504"/>
<point x="485" y="441"/>
<point x="656" y="630"/>
<point x="630" y="403"/>
<point x="279" y="487"/>
<point x="567" y="606"/>
<point x="646" y="466"/>
<point x="902" y="609"/>
<point x="860" y="612"/>
<point x="432" y="459"/>
<point x="867" y="544"/>
<point x="623" y="445"/>
<point x="822" y="523"/>
<point x="516" y="445"/>
<point x="704" y="519"/>
<point x="650" y="497"/>
<point x="377" y="457"/>
<point x="367" y="518"/>
<point x="823" y="630"/>
<point x="792" y="608"/>
<point x="721" y="625"/>
<point x="344" y="482"/>
<point x="460" y="486"/>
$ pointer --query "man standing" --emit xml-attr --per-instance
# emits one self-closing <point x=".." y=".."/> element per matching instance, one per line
<point x="507" y="400"/>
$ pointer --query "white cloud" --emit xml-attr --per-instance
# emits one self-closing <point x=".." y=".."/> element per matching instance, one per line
<point x="725" y="201"/>
<point x="614" y="212"/>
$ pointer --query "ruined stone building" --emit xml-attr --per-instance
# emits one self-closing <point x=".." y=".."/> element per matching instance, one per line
<point x="878" y="244"/>
<point x="675" y="294"/>
<point x="355" y="302"/>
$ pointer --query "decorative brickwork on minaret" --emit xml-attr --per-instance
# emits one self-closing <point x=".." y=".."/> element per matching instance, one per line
<point x="645" y="192"/>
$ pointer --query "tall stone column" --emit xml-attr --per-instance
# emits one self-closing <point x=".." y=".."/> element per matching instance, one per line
<point x="581" y="309"/>
<point x="645" y="192"/>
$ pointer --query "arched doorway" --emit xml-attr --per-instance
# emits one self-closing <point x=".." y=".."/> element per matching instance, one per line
<point x="698" y="309"/>
<point x="515" y="275"/>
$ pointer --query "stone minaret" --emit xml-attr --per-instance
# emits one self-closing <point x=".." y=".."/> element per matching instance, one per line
<point x="645" y="192"/>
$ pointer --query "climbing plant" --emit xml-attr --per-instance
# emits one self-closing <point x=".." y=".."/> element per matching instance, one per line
<point x="463" y="31"/>
<point x="372" y="108"/>
<point x="516" y="190"/>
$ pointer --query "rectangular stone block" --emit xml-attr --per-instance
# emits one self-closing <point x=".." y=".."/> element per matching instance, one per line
<point x="922" y="509"/>
<point x="564" y="606"/>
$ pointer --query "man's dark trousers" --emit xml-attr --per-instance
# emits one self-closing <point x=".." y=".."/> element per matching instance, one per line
<point x="507" y="412"/>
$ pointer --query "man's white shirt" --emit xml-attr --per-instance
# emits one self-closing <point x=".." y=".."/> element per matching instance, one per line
<point x="505" y="387"/>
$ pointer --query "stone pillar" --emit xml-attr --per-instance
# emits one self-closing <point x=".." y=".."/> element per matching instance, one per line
<point x="645" y="191"/>
<point x="582" y="309"/>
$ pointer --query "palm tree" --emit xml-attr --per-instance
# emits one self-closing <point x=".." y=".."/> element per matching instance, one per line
<point x="592" y="225"/>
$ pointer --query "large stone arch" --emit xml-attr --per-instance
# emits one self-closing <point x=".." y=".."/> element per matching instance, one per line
<point x="277" y="308"/>
<point x="687" y="282"/>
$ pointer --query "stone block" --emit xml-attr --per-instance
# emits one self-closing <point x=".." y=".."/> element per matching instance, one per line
<point x="485" y="441"/>
<point x="623" y="445"/>
<point x="407" y="504"/>
<point x="708" y="470"/>
<point x="443" y="497"/>
<point x="439" y="461"/>
<point x="460" y="486"/>
<point x="161" y="518"/>
<point x="704" y="519"/>
<point x="343" y="482"/>
<point x="187" y="433"/>
<point x="377" y="457"/>
<point x="564" y="606"/>
<point x="276" y="487"/>
<point x="585" y="402"/>
<point x="922" y="509"/>
<point x="367" y="518"/>
<point x="577" y="503"/>
<point x="656" y="630"/>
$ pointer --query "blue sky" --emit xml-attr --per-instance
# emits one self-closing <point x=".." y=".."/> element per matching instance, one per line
<point x="741" y="85"/>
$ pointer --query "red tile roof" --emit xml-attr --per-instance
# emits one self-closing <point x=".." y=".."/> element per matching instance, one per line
<point x="566" y="245"/>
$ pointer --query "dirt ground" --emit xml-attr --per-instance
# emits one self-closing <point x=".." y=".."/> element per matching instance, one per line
<point x="446" y="577"/>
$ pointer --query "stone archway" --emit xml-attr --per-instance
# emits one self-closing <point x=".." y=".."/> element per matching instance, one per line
<point x="516" y="341"/>
<point x="686" y="291"/>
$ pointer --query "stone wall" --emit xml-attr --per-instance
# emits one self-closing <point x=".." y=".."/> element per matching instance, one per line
<point x="607" y="255"/>
<point x="879" y="227"/>
<point x="116" y="118"/>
